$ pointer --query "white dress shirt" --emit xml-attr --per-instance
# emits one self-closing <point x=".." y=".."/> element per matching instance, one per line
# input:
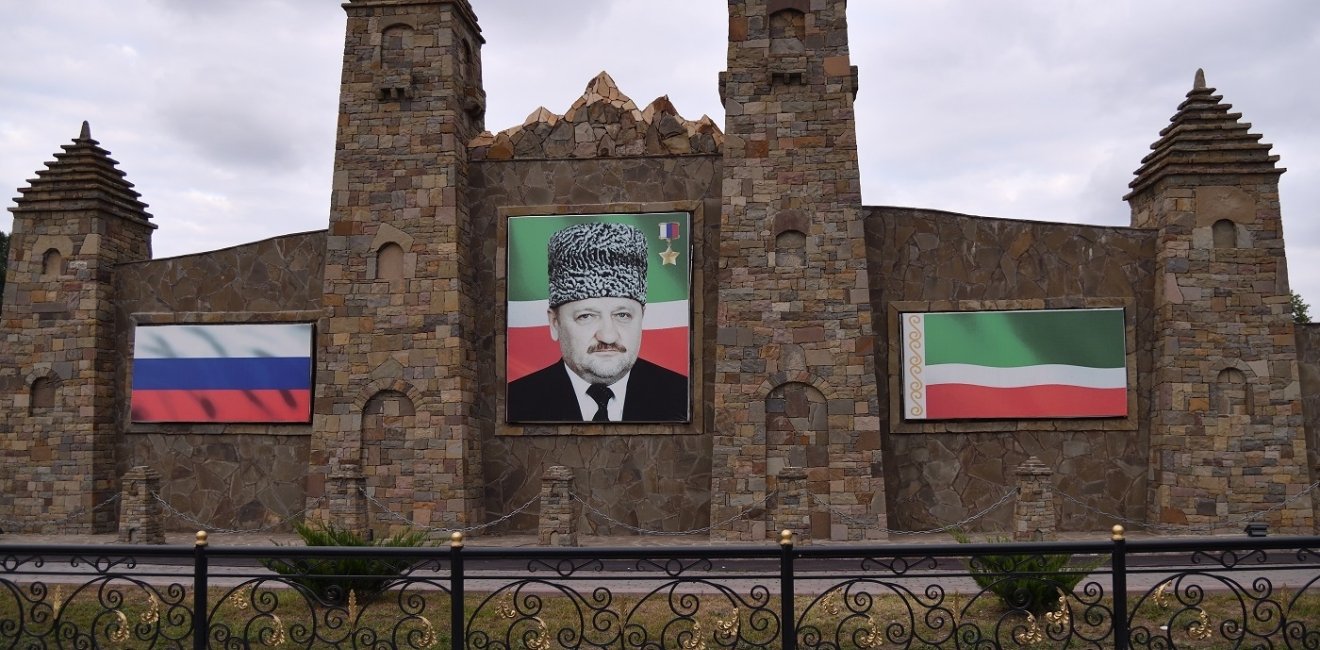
<point x="588" y="405"/>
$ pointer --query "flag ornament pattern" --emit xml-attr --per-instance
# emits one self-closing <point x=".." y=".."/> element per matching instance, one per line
<point x="257" y="373"/>
<point x="1027" y="364"/>
<point x="666" y="334"/>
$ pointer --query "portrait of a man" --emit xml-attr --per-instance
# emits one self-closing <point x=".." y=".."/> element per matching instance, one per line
<point x="596" y="305"/>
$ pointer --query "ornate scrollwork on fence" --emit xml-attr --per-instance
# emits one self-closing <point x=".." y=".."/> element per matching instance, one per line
<point x="104" y="612"/>
<point x="689" y="609"/>
<point x="1206" y="593"/>
<point x="1234" y="599"/>
<point x="304" y="611"/>
<point x="869" y="613"/>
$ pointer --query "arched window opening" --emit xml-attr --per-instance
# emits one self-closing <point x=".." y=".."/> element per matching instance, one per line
<point x="396" y="47"/>
<point x="1225" y="234"/>
<point x="52" y="264"/>
<point x="791" y="249"/>
<point x="466" y="66"/>
<point x="798" y="435"/>
<point x="1231" y="394"/>
<point x="42" y="398"/>
<point x="389" y="262"/>
<point x="387" y="459"/>
<point x="788" y="32"/>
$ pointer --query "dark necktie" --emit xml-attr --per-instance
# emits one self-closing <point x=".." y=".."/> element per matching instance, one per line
<point x="602" y="394"/>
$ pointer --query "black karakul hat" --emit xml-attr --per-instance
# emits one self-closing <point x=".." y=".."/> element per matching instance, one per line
<point x="597" y="260"/>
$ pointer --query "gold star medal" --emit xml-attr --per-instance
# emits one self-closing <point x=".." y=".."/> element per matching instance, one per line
<point x="669" y="232"/>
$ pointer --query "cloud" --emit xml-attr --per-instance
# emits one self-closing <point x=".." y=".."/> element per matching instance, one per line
<point x="1013" y="108"/>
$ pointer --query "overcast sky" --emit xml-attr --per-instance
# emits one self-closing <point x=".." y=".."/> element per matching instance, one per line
<point x="222" y="112"/>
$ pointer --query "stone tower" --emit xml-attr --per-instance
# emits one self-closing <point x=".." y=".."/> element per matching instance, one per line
<point x="73" y="224"/>
<point x="395" y="375"/>
<point x="1226" y="436"/>
<point x="795" y="381"/>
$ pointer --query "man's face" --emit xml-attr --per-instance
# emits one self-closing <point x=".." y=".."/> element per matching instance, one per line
<point x="599" y="337"/>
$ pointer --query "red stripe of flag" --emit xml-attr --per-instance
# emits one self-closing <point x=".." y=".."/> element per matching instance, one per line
<point x="948" y="401"/>
<point x="221" y="405"/>
<point x="530" y="349"/>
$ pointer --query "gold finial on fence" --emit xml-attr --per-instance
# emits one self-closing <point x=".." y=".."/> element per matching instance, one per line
<point x="201" y="538"/>
<point x="456" y="540"/>
<point x="785" y="537"/>
<point x="1118" y="533"/>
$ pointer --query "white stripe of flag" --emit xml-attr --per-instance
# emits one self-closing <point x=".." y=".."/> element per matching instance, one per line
<point x="1040" y="375"/>
<point x="659" y="315"/>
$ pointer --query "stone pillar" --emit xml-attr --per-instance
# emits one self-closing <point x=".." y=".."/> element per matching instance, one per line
<point x="140" y="518"/>
<point x="60" y="341"/>
<point x="792" y="235"/>
<point x="559" y="512"/>
<point x="794" y="511"/>
<point x="1227" y="438"/>
<point x="346" y="502"/>
<point x="1033" y="516"/>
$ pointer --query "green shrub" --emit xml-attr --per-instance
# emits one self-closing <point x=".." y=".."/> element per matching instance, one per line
<point x="331" y="579"/>
<point x="1027" y="581"/>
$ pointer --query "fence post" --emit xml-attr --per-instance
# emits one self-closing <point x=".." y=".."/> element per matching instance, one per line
<point x="788" y="617"/>
<point x="1033" y="516"/>
<point x="559" y="512"/>
<point x="140" y="518"/>
<point x="348" y="505"/>
<point x="456" y="640"/>
<point x="1119" y="565"/>
<point x="201" y="613"/>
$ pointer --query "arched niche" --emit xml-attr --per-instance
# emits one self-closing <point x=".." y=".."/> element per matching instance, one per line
<point x="390" y="262"/>
<point x="788" y="31"/>
<point x="52" y="263"/>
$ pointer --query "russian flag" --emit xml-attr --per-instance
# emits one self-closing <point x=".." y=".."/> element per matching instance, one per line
<point x="258" y="373"/>
<point x="669" y="230"/>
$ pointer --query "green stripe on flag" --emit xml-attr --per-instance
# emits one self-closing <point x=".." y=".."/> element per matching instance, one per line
<point x="528" y="277"/>
<point x="1090" y="338"/>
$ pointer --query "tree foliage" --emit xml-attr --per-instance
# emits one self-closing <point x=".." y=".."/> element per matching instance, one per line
<point x="1300" y="310"/>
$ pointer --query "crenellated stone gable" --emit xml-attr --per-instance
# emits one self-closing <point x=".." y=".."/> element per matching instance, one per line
<point x="602" y="123"/>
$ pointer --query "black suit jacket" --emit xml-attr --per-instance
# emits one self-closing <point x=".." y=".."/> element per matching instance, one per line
<point x="655" y="394"/>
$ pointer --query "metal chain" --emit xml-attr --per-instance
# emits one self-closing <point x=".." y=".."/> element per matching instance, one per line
<point x="440" y="529"/>
<point x="1204" y="528"/>
<point x="214" y="529"/>
<point x="671" y="533"/>
<point x="20" y="525"/>
<point x="890" y="531"/>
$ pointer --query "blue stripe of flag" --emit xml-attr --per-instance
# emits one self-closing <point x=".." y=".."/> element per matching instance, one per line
<point x="230" y="373"/>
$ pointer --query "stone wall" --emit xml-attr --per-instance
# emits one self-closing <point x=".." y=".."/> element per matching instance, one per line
<point x="235" y="481"/>
<point x="1308" y="371"/>
<point x="229" y="475"/>
<point x="278" y="274"/>
<point x="937" y="473"/>
<point x="654" y="481"/>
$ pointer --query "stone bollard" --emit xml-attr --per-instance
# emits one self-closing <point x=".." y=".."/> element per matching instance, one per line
<point x="347" y="503"/>
<point x="794" y="511"/>
<point x="1033" y="515"/>
<point x="559" y="511"/>
<point x="140" y="517"/>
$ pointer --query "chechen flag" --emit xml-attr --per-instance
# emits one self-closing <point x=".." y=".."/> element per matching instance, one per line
<point x="1068" y="363"/>
<point x="665" y="330"/>
<point x="258" y="373"/>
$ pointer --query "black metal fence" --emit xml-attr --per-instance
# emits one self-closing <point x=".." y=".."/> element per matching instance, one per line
<point x="1180" y="593"/>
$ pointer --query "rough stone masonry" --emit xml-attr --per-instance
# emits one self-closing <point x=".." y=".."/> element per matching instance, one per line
<point x="793" y="318"/>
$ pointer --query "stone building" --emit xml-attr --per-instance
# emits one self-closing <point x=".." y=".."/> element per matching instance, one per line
<point x="796" y="292"/>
